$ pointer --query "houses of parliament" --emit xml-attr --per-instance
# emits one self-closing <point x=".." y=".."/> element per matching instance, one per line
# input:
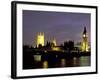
<point x="84" y="42"/>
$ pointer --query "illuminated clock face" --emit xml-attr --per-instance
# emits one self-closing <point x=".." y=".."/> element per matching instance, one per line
<point x="84" y="35"/>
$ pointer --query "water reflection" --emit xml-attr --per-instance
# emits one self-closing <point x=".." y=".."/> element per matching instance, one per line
<point x="45" y="64"/>
<point x="84" y="61"/>
<point x="76" y="61"/>
<point x="65" y="62"/>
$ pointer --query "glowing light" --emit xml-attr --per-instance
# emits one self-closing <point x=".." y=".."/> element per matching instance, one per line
<point x="84" y="46"/>
<point x="55" y="48"/>
<point x="45" y="51"/>
<point x="56" y="56"/>
<point x="45" y="64"/>
<point x="63" y="62"/>
<point x="37" y="57"/>
<point x="74" y="60"/>
<point x="40" y="39"/>
<point x="84" y="35"/>
<point x="54" y="42"/>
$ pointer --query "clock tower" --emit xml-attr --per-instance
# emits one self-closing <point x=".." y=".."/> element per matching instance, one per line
<point x="84" y="41"/>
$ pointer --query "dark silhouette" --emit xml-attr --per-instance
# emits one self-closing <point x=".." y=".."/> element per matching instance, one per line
<point x="40" y="46"/>
<point x="69" y="45"/>
<point x="48" y="44"/>
<point x="27" y="57"/>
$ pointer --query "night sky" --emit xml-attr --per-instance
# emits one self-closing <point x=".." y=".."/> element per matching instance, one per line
<point x="62" y="26"/>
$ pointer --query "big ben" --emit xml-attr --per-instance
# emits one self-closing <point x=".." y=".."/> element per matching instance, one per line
<point x="84" y="41"/>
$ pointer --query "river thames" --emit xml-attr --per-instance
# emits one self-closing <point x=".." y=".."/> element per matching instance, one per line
<point x="63" y="62"/>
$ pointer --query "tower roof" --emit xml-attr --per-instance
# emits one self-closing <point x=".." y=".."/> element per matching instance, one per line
<point x="84" y="30"/>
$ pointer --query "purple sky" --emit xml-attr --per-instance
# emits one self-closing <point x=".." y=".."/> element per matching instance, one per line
<point x="59" y="25"/>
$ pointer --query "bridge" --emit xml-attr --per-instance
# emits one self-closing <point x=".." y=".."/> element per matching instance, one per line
<point x="54" y="54"/>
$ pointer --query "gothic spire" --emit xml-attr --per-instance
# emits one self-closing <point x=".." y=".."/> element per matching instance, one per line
<point x="84" y="32"/>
